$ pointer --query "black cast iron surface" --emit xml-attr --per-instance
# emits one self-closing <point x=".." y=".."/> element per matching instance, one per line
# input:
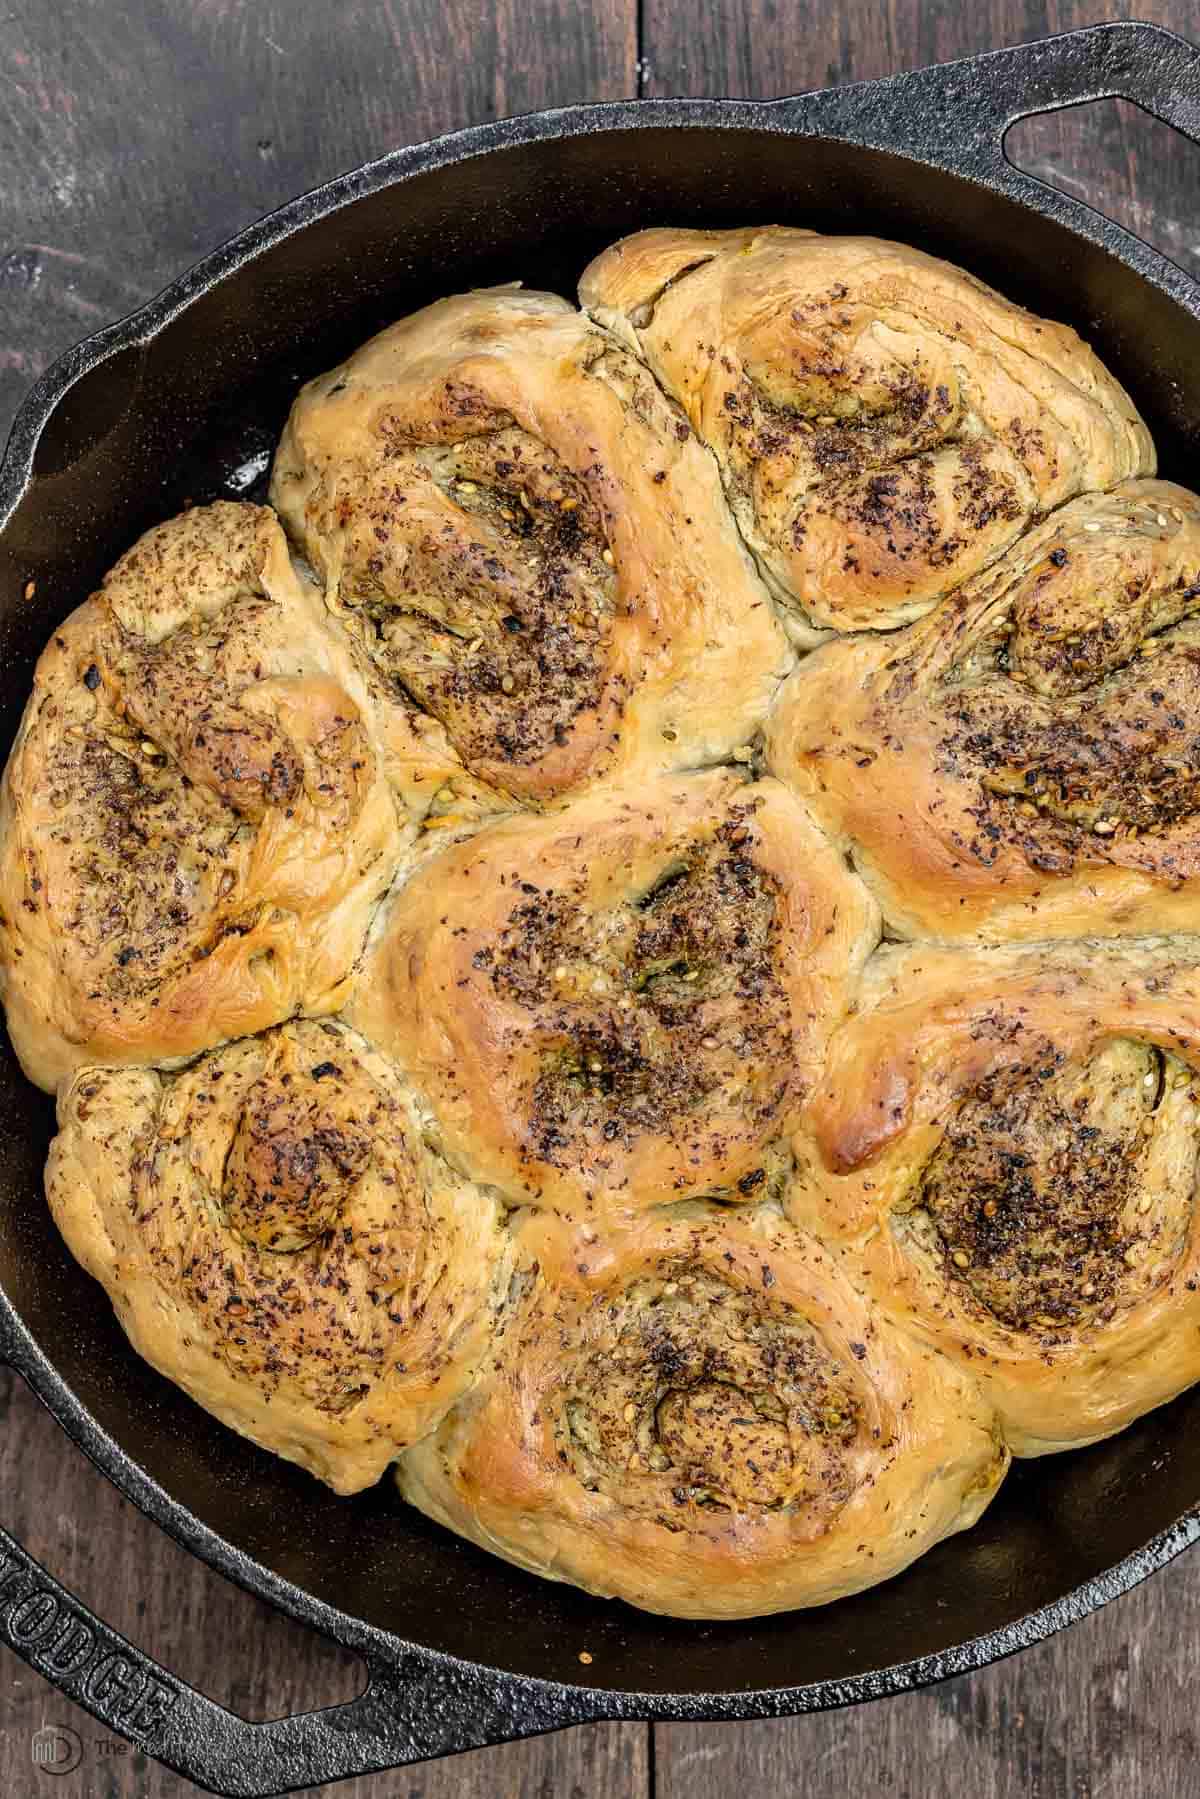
<point x="182" y="401"/>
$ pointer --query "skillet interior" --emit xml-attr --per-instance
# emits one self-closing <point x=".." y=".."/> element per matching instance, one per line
<point x="191" y="416"/>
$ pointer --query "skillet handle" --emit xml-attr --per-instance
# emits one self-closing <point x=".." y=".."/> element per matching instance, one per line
<point x="416" y="1706"/>
<point x="957" y="113"/>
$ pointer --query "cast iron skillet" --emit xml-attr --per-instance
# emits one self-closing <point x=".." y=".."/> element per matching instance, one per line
<point x="183" y="400"/>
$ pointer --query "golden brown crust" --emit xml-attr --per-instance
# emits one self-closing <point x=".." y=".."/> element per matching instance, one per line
<point x="622" y="1003"/>
<point x="705" y="1418"/>
<point x="669" y="1234"/>
<point x="885" y="424"/>
<point x="1019" y="764"/>
<point x="195" y="823"/>
<point x="1008" y="1139"/>
<point x="531" y="542"/>
<point x="276" y="1239"/>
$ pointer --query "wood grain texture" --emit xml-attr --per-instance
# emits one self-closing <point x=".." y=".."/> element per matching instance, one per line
<point x="1133" y="168"/>
<point x="238" y="1650"/>
<point x="134" y="138"/>
<point x="1105" y="1711"/>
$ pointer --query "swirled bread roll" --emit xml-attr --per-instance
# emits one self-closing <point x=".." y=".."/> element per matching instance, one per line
<point x="885" y="424"/>
<point x="706" y="1419"/>
<point x="195" y="822"/>
<point x="457" y="949"/>
<point x="623" y="1002"/>
<point x="1021" y="763"/>
<point x="530" y="541"/>
<point x="1008" y="1138"/>
<point x="276" y="1239"/>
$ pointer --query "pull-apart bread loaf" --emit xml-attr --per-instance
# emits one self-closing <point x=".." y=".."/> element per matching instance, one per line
<point x="640" y="965"/>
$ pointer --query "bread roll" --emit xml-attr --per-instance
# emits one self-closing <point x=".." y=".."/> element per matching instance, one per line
<point x="277" y="1239"/>
<point x="886" y="425"/>
<point x="1008" y="1140"/>
<point x="530" y="541"/>
<point x="707" y="1419"/>
<point x="1020" y="764"/>
<point x="623" y="1003"/>
<point x="195" y="821"/>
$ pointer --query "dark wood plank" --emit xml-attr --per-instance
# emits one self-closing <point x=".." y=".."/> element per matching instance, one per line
<point x="764" y="47"/>
<point x="239" y="1651"/>
<point x="133" y="139"/>
<point x="1104" y="1711"/>
<point x="1140" y="173"/>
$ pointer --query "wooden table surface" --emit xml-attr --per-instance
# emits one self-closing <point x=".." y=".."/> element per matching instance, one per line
<point x="134" y="136"/>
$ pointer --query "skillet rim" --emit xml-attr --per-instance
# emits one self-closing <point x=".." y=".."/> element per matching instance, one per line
<point x="897" y="117"/>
